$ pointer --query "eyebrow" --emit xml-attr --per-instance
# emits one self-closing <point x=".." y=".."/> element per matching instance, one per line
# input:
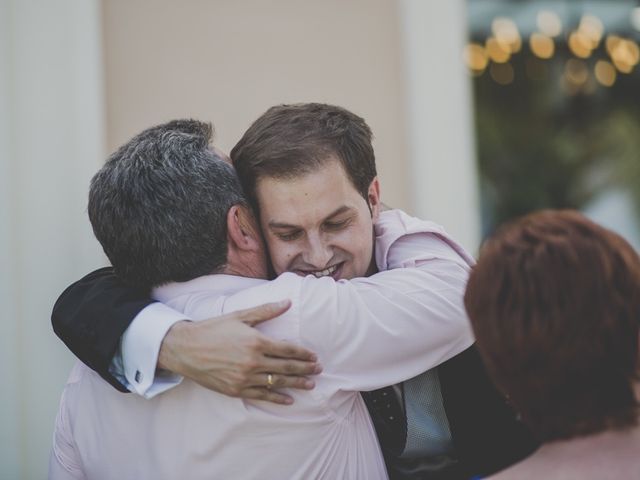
<point x="337" y="211"/>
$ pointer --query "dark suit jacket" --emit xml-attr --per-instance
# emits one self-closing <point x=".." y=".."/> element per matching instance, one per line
<point x="92" y="314"/>
<point x="486" y="435"/>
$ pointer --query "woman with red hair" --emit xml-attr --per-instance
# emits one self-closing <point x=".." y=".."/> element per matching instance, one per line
<point x="555" y="306"/>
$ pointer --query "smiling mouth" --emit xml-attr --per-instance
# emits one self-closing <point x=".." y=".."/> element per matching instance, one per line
<point x="327" y="272"/>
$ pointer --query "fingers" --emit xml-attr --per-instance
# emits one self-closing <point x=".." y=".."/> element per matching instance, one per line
<point x="262" y="393"/>
<point x="287" y="350"/>
<point x="289" y="367"/>
<point x="282" y="381"/>
<point x="265" y="387"/>
<point x="261" y="313"/>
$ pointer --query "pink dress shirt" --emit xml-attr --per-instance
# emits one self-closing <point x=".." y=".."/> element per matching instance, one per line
<point x="368" y="333"/>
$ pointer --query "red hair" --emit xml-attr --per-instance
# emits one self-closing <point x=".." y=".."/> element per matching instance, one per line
<point x="555" y="306"/>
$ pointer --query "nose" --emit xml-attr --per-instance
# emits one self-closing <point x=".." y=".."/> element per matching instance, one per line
<point x="318" y="252"/>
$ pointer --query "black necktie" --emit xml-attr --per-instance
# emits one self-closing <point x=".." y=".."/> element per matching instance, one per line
<point x="388" y="417"/>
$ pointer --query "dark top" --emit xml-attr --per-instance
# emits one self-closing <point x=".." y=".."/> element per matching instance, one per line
<point x="91" y="315"/>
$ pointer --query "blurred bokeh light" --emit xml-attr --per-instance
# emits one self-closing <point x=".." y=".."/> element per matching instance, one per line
<point x="557" y="120"/>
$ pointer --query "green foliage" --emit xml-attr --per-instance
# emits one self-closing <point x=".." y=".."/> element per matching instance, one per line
<point x="539" y="147"/>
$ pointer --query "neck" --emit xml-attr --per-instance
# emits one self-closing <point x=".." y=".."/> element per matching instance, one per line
<point x="602" y="441"/>
<point x="597" y="443"/>
<point x="610" y="454"/>
<point x="245" y="269"/>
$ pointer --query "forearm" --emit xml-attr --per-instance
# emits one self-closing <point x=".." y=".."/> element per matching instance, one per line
<point x="174" y="343"/>
<point x="224" y="354"/>
<point x="389" y="327"/>
<point x="400" y="322"/>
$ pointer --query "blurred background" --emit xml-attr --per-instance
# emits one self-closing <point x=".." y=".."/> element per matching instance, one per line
<point x="482" y="110"/>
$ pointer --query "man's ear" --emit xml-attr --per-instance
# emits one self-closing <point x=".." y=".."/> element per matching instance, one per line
<point x="373" y="197"/>
<point x="242" y="229"/>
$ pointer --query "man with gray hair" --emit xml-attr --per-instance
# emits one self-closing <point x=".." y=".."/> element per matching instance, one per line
<point x="170" y="214"/>
<point x="154" y="226"/>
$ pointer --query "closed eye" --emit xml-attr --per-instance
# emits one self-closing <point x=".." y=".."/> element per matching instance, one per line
<point x="337" y="225"/>
<point x="289" y="236"/>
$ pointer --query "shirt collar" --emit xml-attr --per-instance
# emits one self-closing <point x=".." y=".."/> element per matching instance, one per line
<point x="220" y="284"/>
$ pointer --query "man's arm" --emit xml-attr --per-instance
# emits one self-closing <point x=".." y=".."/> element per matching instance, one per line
<point x="381" y="330"/>
<point x="400" y="322"/>
<point x="386" y="328"/>
<point x="92" y="314"/>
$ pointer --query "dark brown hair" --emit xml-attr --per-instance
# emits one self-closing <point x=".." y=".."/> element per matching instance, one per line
<point x="292" y="140"/>
<point x="555" y="306"/>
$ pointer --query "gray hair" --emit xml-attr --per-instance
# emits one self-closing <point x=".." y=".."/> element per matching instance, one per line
<point x="159" y="205"/>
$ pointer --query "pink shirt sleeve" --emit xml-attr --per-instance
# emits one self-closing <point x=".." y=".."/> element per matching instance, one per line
<point x="378" y="331"/>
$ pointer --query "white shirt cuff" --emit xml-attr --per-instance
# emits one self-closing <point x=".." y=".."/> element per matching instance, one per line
<point x="140" y="347"/>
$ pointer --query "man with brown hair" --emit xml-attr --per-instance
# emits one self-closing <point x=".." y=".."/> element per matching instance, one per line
<point x="555" y="306"/>
<point x="314" y="141"/>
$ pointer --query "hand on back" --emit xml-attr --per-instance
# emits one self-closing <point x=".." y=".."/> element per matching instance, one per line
<point x="227" y="355"/>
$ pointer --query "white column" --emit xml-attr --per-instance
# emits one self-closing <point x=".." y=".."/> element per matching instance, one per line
<point x="440" y="122"/>
<point x="51" y="142"/>
<point x="9" y="393"/>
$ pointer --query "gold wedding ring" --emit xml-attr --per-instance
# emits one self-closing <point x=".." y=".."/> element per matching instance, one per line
<point x="269" y="381"/>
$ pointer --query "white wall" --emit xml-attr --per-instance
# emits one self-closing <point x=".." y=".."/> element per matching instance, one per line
<point x="51" y="142"/>
<point x="396" y="63"/>
<point x="228" y="61"/>
<point x="9" y="393"/>
<point x="440" y="133"/>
